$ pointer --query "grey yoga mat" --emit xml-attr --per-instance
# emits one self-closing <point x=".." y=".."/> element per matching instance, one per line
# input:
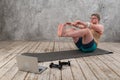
<point x="59" y="55"/>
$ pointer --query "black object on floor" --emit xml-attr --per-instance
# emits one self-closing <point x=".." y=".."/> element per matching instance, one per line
<point x="64" y="63"/>
<point x="52" y="56"/>
<point x="52" y="65"/>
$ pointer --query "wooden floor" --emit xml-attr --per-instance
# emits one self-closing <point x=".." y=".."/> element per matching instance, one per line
<point x="99" y="67"/>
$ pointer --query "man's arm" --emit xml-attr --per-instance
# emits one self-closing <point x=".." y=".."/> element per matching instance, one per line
<point x="75" y="25"/>
<point x="81" y="24"/>
<point x="78" y="22"/>
<point x="99" y="28"/>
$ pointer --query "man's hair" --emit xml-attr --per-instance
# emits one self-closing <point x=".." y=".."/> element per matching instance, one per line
<point x="97" y="15"/>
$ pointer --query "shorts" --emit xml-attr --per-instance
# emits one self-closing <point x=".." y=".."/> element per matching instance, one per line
<point x="90" y="47"/>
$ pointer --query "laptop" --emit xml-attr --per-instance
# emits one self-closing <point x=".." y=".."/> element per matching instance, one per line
<point x="29" y="64"/>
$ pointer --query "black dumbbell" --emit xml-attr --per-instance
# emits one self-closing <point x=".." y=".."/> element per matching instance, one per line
<point x="52" y="65"/>
<point x="64" y="63"/>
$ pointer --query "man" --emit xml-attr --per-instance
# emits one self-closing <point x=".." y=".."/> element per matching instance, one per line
<point x="87" y="36"/>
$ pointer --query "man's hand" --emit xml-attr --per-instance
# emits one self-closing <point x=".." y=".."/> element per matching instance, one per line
<point x="75" y="24"/>
<point x="69" y="23"/>
<point x="78" y="22"/>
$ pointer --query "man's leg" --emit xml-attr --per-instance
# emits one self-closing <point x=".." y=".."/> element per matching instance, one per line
<point x="76" y="34"/>
<point x="75" y="39"/>
<point x="61" y="28"/>
<point x="60" y="32"/>
<point x="84" y="33"/>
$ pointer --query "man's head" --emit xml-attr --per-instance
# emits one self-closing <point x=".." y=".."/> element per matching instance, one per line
<point x="95" y="18"/>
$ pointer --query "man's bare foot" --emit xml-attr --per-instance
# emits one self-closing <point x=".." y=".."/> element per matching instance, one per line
<point x="61" y="30"/>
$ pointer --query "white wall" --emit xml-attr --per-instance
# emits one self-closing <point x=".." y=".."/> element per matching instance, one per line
<point x="38" y="19"/>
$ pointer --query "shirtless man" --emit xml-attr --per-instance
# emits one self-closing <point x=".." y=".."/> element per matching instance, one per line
<point x="87" y="36"/>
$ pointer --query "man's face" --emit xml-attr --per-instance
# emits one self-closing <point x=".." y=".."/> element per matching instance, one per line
<point x="94" y="20"/>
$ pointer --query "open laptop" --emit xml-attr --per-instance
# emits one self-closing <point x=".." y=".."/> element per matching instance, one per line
<point x="29" y="64"/>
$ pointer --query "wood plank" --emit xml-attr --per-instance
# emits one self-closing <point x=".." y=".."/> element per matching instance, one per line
<point x="112" y="66"/>
<point x="26" y="75"/>
<point x="99" y="73"/>
<point x="102" y="67"/>
<point x="9" y="48"/>
<point x="32" y="76"/>
<point x="112" y="75"/>
<point x="76" y="70"/>
<point x="20" y="74"/>
<point x="50" y="48"/>
<point x="36" y="44"/>
<point x="4" y="43"/>
<point x="112" y="58"/>
<point x="9" y="68"/>
<point x="55" y="74"/>
<point x="87" y="72"/>
<point x="46" y="74"/>
<point x="110" y="69"/>
<point x="6" y="52"/>
<point x="66" y="69"/>
<point x="10" y="74"/>
<point x="112" y="47"/>
<point x="5" y="65"/>
<point x="37" y="48"/>
<point x="43" y="47"/>
<point x="8" y="58"/>
<point x="7" y="45"/>
<point x="96" y="70"/>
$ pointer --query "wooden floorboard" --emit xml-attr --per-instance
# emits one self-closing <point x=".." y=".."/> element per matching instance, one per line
<point x="98" y="67"/>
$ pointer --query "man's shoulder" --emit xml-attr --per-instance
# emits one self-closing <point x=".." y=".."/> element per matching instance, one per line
<point x="100" y="25"/>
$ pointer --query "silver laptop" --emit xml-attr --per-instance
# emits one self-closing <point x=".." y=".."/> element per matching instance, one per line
<point x="29" y="64"/>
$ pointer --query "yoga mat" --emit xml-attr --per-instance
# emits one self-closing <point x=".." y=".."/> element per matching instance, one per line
<point x="59" y="55"/>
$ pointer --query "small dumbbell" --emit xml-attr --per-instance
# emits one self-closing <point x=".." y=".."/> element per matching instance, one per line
<point x="64" y="63"/>
<point x="52" y="65"/>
